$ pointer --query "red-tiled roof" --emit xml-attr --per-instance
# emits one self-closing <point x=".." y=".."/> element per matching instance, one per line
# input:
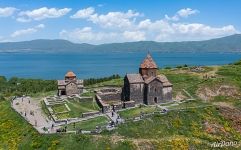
<point x="70" y="74"/>
<point x="148" y="62"/>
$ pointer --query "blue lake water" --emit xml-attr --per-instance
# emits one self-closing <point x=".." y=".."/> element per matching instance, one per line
<point x="86" y="65"/>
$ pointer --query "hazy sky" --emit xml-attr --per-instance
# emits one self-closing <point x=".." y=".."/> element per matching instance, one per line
<point x="110" y="21"/>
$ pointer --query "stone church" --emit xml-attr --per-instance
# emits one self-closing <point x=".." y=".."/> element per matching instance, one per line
<point x="147" y="86"/>
<point x="70" y="85"/>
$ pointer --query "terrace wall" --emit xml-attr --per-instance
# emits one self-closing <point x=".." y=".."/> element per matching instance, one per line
<point x="87" y="114"/>
<point x="129" y="104"/>
<point x="105" y="107"/>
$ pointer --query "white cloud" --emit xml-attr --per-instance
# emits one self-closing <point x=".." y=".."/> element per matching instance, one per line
<point x="182" y="13"/>
<point x="109" y="20"/>
<point x="7" y="11"/>
<point x="196" y="31"/>
<point x="84" y="13"/>
<point x="123" y="27"/>
<point x="87" y="35"/>
<point x="134" y="35"/>
<point x="42" y="13"/>
<point x="27" y="31"/>
<point x="187" y="12"/>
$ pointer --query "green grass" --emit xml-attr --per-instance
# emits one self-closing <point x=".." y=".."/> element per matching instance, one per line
<point x="63" y="116"/>
<point x="59" y="108"/>
<point x="187" y="104"/>
<point x="136" y="112"/>
<point x="45" y="109"/>
<point x="232" y="73"/>
<point x="114" y="82"/>
<point x="188" y="124"/>
<point x="82" y="106"/>
<point x="174" y="130"/>
<point x="230" y="100"/>
<point x="89" y="94"/>
<point x="89" y="124"/>
<point x="77" y="108"/>
<point x="16" y="133"/>
<point x="42" y="94"/>
<point x="182" y="81"/>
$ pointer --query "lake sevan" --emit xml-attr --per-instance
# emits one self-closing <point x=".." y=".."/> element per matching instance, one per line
<point x="94" y="65"/>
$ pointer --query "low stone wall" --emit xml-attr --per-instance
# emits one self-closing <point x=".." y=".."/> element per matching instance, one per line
<point x="117" y="106"/>
<point x="87" y="114"/>
<point x="129" y="104"/>
<point x="102" y="105"/>
<point x="110" y="96"/>
<point x="109" y="89"/>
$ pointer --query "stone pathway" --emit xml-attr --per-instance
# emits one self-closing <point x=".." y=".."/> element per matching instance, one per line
<point x="31" y="111"/>
<point x="115" y="117"/>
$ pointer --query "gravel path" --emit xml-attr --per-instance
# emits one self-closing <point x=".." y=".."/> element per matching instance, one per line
<point x="31" y="111"/>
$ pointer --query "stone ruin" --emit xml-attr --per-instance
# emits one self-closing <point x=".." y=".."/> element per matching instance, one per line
<point x="111" y="99"/>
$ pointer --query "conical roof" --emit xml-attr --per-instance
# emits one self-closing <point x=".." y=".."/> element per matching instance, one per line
<point x="70" y="74"/>
<point x="148" y="62"/>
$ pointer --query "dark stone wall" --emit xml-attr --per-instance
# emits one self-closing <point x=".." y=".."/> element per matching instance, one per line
<point x="129" y="104"/>
<point x="137" y="92"/>
<point x="167" y="93"/>
<point x="102" y="105"/>
<point x="126" y="90"/>
<point x="118" y="106"/>
<point x="110" y="96"/>
<point x="153" y="92"/>
<point x="148" y="72"/>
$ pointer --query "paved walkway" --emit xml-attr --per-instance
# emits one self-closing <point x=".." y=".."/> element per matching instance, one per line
<point x="32" y="112"/>
<point x="114" y="117"/>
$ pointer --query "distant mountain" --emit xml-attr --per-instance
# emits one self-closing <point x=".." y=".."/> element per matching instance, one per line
<point x="225" y="44"/>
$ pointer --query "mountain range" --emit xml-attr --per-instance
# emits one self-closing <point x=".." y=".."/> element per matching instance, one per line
<point x="225" y="44"/>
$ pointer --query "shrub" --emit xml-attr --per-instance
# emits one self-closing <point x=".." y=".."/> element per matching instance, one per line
<point x="238" y="62"/>
<point x="168" y="67"/>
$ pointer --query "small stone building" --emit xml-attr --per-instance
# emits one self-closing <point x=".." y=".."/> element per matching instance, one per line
<point x="147" y="86"/>
<point x="70" y="85"/>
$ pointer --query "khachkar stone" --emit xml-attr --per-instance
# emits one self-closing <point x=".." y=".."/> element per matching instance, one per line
<point x="147" y="86"/>
<point x="70" y="85"/>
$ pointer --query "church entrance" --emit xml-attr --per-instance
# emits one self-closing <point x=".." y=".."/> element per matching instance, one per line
<point x="155" y="99"/>
<point x="63" y="92"/>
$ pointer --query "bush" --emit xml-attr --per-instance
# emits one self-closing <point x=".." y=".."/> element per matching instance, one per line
<point x="179" y="67"/>
<point x="238" y="62"/>
<point x="168" y="67"/>
<point x="91" y="81"/>
<point x="2" y="98"/>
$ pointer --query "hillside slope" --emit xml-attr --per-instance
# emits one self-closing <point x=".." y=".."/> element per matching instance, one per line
<point x="191" y="125"/>
<point x="226" y="44"/>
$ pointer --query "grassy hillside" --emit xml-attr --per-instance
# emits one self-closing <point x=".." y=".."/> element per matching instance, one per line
<point x="215" y="118"/>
